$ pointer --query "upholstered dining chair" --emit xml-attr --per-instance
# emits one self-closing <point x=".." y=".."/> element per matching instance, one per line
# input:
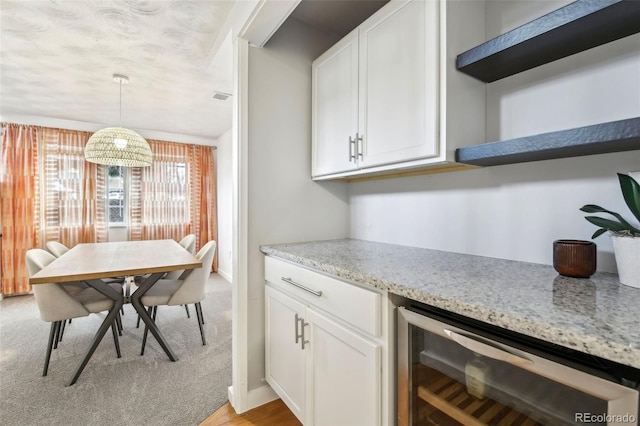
<point x="189" y="244"/>
<point x="58" y="249"/>
<point x="56" y="304"/>
<point x="189" y="289"/>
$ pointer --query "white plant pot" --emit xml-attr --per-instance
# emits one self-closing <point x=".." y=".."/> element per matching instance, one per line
<point x="627" y="252"/>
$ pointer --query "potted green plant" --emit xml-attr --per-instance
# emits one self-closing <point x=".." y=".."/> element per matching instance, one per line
<point x="624" y="235"/>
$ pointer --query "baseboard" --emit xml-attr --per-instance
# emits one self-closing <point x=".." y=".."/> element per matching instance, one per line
<point x="230" y="396"/>
<point x="227" y="276"/>
<point x="255" y="398"/>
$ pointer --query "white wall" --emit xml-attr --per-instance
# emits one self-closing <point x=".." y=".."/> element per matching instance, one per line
<point x="510" y="212"/>
<point x="517" y="211"/>
<point x="225" y="204"/>
<point x="284" y="205"/>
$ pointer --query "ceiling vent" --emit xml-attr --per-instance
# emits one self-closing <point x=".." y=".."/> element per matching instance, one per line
<point x="221" y="96"/>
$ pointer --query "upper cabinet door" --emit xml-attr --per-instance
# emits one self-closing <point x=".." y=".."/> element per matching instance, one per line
<point x="335" y="112"/>
<point x="399" y="83"/>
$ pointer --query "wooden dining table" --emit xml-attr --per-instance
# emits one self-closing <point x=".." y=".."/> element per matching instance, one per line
<point x="93" y="263"/>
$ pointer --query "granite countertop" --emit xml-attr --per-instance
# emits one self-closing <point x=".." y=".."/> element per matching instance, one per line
<point x="597" y="315"/>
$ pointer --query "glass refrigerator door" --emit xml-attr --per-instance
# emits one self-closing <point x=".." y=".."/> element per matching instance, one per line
<point x="456" y="377"/>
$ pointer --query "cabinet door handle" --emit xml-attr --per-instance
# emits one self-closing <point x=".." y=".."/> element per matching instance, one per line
<point x="360" y="143"/>
<point x="300" y="286"/>
<point x="304" y="324"/>
<point x="298" y="335"/>
<point x="352" y="148"/>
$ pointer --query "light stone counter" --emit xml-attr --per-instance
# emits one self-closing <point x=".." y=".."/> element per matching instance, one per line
<point x="597" y="315"/>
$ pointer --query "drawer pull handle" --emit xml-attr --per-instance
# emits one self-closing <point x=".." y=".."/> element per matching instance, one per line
<point x="300" y="286"/>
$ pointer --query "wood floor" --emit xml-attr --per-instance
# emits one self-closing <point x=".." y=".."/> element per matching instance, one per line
<point x="273" y="413"/>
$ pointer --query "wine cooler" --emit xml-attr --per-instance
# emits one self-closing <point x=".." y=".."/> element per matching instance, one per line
<point x="456" y="371"/>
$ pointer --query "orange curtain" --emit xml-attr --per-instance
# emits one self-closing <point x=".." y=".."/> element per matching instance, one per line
<point x="49" y="193"/>
<point x="175" y="196"/>
<point x="20" y="207"/>
<point x="204" y="220"/>
<point x="206" y="198"/>
<point x="74" y="190"/>
<point x="159" y="195"/>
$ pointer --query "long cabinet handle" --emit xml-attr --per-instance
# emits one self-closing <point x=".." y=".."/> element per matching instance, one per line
<point x="302" y="287"/>
<point x="359" y="145"/>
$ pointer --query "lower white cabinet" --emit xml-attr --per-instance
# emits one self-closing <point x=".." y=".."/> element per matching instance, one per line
<point x="285" y="357"/>
<point x="327" y="371"/>
<point x="343" y="375"/>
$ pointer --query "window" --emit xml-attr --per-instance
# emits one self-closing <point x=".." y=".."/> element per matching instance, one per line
<point x="116" y="195"/>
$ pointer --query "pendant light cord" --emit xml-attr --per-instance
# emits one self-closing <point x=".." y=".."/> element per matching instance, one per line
<point x="120" y="119"/>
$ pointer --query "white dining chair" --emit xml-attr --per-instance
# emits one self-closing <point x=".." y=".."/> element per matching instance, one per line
<point x="58" y="249"/>
<point x="56" y="304"/>
<point x="189" y="244"/>
<point x="189" y="289"/>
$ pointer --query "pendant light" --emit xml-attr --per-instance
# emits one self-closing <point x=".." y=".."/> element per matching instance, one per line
<point x="117" y="146"/>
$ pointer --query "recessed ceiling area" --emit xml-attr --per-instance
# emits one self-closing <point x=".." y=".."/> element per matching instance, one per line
<point x="336" y="17"/>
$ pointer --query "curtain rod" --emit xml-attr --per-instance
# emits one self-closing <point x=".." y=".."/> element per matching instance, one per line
<point x="39" y="128"/>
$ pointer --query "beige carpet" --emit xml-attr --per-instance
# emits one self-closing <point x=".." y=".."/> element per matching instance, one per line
<point x="132" y="390"/>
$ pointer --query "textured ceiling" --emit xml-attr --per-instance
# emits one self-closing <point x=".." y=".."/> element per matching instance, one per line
<point x="58" y="58"/>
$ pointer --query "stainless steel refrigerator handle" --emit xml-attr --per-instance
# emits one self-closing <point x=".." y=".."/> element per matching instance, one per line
<point x="300" y="286"/>
<point x="485" y="349"/>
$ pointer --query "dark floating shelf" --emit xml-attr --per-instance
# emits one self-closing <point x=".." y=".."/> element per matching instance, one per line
<point x="615" y="136"/>
<point x="571" y="29"/>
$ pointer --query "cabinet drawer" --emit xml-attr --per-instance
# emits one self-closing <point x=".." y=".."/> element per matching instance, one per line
<point x="355" y="305"/>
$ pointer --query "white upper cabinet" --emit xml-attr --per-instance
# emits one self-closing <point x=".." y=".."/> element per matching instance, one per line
<point x="397" y="85"/>
<point x="335" y="115"/>
<point x="381" y="95"/>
